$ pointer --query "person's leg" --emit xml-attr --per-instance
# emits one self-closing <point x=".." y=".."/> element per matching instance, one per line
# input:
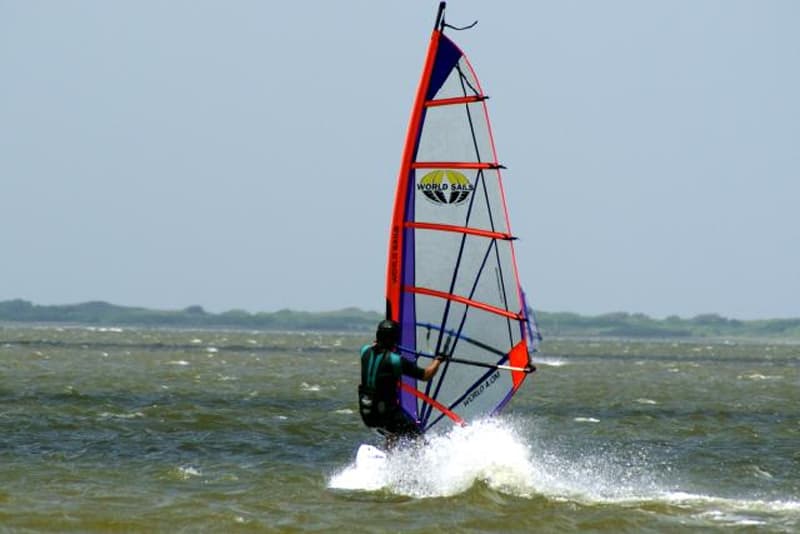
<point x="398" y="428"/>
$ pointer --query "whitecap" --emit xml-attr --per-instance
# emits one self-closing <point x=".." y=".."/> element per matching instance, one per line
<point x="187" y="471"/>
<point x="586" y="420"/>
<point x="224" y="378"/>
<point x="551" y="362"/>
<point x="761" y="473"/>
<point x="309" y="387"/>
<point x="759" y="376"/>
<point x="108" y="415"/>
<point x="719" y="516"/>
<point x="731" y="509"/>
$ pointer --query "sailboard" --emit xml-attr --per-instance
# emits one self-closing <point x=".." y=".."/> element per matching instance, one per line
<point x="452" y="280"/>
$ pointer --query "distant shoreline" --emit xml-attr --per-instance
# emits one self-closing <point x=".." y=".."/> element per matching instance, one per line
<point x="551" y="324"/>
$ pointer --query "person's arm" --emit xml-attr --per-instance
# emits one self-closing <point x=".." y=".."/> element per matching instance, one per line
<point x="409" y="368"/>
<point x="431" y="370"/>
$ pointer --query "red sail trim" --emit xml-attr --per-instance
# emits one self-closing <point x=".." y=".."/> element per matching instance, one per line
<point x="458" y="229"/>
<point x="433" y="402"/>
<point x="463" y="300"/>
<point x="453" y="165"/>
<point x="518" y="357"/>
<point x="394" y="267"/>
<point x="454" y="100"/>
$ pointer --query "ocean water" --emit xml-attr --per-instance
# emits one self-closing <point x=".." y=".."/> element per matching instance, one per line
<point x="141" y="430"/>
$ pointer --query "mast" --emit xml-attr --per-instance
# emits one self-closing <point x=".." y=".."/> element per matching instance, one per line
<point x="395" y="263"/>
<point x="440" y="17"/>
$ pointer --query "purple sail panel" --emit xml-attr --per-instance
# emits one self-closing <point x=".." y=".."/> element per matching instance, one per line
<point x="407" y="307"/>
<point x="447" y="57"/>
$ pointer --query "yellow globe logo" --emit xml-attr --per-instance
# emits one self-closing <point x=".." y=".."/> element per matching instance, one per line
<point x="445" y="187"/>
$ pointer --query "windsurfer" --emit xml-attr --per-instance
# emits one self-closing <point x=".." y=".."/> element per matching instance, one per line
<point x="381" y="370"/>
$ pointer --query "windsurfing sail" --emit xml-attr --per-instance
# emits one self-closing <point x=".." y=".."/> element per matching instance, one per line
<point x="452" y="280"/>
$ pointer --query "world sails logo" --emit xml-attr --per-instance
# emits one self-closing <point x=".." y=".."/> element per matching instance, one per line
<point x="445" y="187"/>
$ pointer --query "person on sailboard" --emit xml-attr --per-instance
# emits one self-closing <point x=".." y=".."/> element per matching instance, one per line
<point x="381" y="370"/>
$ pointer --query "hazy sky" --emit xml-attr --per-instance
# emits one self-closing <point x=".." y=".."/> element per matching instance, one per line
<point x="244" y="154"/>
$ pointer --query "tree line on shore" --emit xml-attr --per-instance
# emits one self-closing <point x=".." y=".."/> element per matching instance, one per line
<point x="552" y="324"/>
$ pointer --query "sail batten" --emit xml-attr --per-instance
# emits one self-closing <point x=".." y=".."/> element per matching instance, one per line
<point x="454" y="165"/>
<point x="459" y="229"/>
<point x="463" y="300"/>
<point x="455" y="100"/>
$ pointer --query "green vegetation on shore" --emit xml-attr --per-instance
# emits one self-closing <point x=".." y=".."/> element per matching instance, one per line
<point x="352" y="319"/>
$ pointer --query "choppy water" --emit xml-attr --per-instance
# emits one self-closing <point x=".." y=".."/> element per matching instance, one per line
<point x="143" y="430"/>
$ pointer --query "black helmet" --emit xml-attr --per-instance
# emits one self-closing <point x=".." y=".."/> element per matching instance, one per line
<point x="388" y="334"/>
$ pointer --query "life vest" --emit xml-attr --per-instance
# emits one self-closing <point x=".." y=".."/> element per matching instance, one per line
<point x="377" y="392"/>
